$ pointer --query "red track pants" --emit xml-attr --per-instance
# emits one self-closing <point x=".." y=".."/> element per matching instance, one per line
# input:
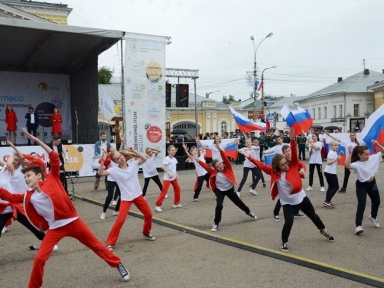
<point x="78" y="230"/>
<point x="144" y="208"/>
<point x="176" y="190"/>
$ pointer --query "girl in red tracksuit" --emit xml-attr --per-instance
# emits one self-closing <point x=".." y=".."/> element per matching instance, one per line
<point x="222" y="183"/>
<point x="48" y="207"/>
<point x="286" y="182"/>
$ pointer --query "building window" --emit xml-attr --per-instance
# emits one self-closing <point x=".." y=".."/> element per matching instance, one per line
<point x="319" y="116"/>
<point x="334" y="111"/>
<point x="340" y="110"/>
<point x="356" y="110"/>
<point x="223" y="126"/>
<point x="325" y="113"/>
<point x="314" y="113"/>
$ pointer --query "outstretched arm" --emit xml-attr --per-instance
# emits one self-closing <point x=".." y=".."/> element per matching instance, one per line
<point x="18" y="152"/>
<point x="266" y="168"/>
<point x="38" y="141"/>
<point x="333" y="137"/>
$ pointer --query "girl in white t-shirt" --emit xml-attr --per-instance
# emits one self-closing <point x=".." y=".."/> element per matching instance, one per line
<point x="201" y="173"/>
<point x="170" y="177"/>
<point x="149" y="169"/>
<point x="315" y="161"/>
<point x="365" y="167"/>
<point x="330" y="173"/>
<point x="253" y="151"/>
<point x="126" y="177"/>
<point x="353" y="142"/>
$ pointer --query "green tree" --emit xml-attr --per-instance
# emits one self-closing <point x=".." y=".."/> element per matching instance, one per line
<point x="105" y="75"/>
<point x="228" y="100"/>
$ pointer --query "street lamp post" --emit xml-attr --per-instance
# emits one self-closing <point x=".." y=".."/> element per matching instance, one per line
<point x="262" y="87"/>
<point x="207" y="94"/>
<point x="255" y="71"/>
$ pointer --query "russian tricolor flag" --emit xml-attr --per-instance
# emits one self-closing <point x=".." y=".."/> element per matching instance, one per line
<point x="230" y="151"/>
<point x="246" y="125"/>
<point x="300" y="120"/>
<point x="374" y="129"/>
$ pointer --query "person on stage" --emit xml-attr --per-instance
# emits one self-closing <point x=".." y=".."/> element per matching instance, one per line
<point x="56" y="121"/>
<point x="32" y="122"/>
<point x="59" y="148"/>
<point x="11" y="121"/>
<point x="49" y="209"/>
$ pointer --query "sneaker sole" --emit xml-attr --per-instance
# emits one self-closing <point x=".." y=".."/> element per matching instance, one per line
<point x="359" y="232"/>
<point x="284" y="250"/>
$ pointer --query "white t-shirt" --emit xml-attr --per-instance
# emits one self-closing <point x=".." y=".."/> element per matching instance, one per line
<point x="109" y="177"/>
<point x="285" y="190"/>
<point x="171" y="164"/>
<point x="5" y="180"/>
<point x="44" y="208"/>
<point x="253" y="153"/>
<point x="278" y="149"/>
<point x="347" y="144"/>
<point x="18" y="181"/>
<point x="222" y="182"/>
<point x="365" y="170"/>
<point x="149" y="167"/>
<point x="127" y="180"/>
<point x="331" y="168"/>
<point x="216" y="152"/>
<point x="316" y="154"/>
<point x="200" y="171"/>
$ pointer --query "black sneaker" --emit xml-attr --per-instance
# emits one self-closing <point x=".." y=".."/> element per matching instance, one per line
<point x="252" y="215"/>
<point x="342" y="190"/>
<point x="123" y="272"/>
<point x="299" y="216"/>
<point x="327" y="235"/>
<point x="264" y="185"/>
<point x="284" y="247"/>
<point x="150" y="237"/>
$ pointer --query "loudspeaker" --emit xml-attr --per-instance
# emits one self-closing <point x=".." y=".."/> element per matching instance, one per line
<point x="66" y="139"/>
<point x="168" y="93"/>
<point x="3" y="141"/>
<point x="182" y="95"/>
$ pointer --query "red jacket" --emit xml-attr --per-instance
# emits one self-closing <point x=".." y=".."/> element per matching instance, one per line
<point x="292" y="175"/>
<point x="52" y="187"/>
<point x="228" y="172"/>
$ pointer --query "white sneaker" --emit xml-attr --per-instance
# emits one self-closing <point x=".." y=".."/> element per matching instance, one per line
<point x="124" y="273"/>
<point x="114" y="203"/>
<point x="253" y="191"/>
<point x="238" y="194"/>
<point x="102" y="216"/>
<point x="322" y="189"/>
<point x="214" y="228"/>
<point x="374" y="222"/>
<point x="166" y="196"/>
<point x="5" y="230"/>
<point x="177" y="205"/>
<point x="110" y="247"/>
<point x="115" y="213"/>
<point x="309" y="188"/>
<point x="158" y="209"/>
<point x="55" y="248"/>
<point x="359" y="230"/>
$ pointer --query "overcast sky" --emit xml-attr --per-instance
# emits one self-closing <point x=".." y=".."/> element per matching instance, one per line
<point x="313" y="42"/>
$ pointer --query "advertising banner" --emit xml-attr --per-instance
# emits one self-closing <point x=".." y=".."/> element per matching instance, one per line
<point x="145" y="92"/>
<point x="43" y="92"/>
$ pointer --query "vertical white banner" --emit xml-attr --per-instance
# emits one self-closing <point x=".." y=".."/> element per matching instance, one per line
<point x="145" y="92"/>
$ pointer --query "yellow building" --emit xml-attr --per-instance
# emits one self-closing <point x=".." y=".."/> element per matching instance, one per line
<point x="378" y="94"/>
<point x="35" y="11"/>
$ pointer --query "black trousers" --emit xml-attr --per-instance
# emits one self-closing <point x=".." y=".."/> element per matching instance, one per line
<point x="276" y="211"/>
<point x="24" y="221"/>
<point x="362" y="190"/>
<point x="347" y="172"/>
<point x="307" y="208"/>
<point x="156" y="179"/>
<point x="301" y="151"/>
<point x="220" y="195"/>
<point x="333" y="186"/>
<point x="31" y="128"/>
<point x="319" y="173"/>
<point x="200" y="182"/>
<point x="113" y="189"/>
<point x="256" y="176"/>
